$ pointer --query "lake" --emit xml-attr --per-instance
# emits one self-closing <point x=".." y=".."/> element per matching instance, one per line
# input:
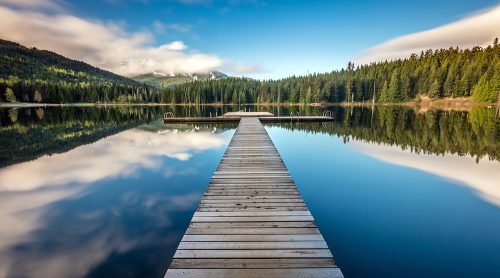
<point x="109" y="191"/>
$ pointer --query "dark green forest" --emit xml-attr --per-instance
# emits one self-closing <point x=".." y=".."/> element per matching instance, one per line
<point x="32" y="75"/>
<point x="449" y="72"/>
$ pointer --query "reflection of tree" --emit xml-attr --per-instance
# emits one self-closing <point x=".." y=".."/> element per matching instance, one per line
<point x="39" y="112"/>
<point x="13" y="115"/>
<point x="33" y="132"/>
<point x="437" y="132"/>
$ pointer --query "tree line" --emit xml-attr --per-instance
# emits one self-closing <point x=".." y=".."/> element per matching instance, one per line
<point x="449" y="72"/>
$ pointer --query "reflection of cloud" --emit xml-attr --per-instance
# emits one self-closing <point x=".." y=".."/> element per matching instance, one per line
<point x="120" y="154"/>
<point x="28" y="192"/>
<point x="91" y="238"/>
<point x="477" y="30"/>
<point x="483" y="177"/>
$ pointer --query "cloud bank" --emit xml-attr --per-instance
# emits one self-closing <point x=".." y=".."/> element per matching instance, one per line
<point x="103" y="44"/>
<point x="479" y="29"/>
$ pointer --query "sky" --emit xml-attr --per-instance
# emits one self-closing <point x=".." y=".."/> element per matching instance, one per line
<point x="252" y="38"/>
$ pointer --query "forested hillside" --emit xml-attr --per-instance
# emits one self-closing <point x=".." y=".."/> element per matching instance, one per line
<point x="32" y="75"/>
<point x="449" y="72"/>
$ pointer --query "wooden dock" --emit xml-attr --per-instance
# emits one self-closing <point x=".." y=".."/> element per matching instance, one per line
<point x="236" y="119"/>
<point x="252" y="221"/>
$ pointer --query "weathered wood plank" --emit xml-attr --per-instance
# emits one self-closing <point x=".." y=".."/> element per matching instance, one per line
<point x="253" y="218"/>
<point x="252" y="253"/>
<point x="256" y="273"/>
<point x="249" y="209"/>
<point x="253" y="245"/>
<point x="260" y="197"/>
<point x="283" y="263"/>
<point x="300" y="224"/>
<point x="252" y="214"/>
<point x="252" y="231"/>
<point x="272" y="238"/>
<point x="251" y="201"/>
<point x="237" y="204"/>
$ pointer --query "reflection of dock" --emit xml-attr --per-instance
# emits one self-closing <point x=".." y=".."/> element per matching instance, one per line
<point x="252" y="221"/>
<point x="234" y="117"/>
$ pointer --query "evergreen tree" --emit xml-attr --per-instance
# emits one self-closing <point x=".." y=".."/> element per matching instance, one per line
<point x="435" y="90"/>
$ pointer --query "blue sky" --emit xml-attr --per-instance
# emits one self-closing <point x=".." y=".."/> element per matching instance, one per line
<point x="272" y="39"/>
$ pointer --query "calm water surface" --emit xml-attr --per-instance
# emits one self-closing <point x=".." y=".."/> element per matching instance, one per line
<point x="108" y="192"/>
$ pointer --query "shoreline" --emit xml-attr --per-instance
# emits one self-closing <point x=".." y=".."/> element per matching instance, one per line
<point x="462" y="104"/>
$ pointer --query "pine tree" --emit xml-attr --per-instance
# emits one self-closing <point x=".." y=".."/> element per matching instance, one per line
<point x="435" y="89"/>
<point x="309" y="95"/>
<point x="393" y="93"/>
<point x="384" y="95"/>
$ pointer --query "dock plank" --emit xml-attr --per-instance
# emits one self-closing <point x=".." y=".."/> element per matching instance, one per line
<point x="256" y="273"/>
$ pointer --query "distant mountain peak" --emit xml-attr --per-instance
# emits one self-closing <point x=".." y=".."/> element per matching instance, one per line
<point x="159" y="73"/>
<point x="161" y="80"/>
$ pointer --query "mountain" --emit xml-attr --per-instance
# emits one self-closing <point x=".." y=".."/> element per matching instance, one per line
<point x="163" y="80"/>
<point x="33" y="75"/>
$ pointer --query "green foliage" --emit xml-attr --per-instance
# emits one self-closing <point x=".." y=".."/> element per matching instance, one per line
<point x="435" y="90"/>
<point x="449" y="72"/>
<point x="488" y="87"/>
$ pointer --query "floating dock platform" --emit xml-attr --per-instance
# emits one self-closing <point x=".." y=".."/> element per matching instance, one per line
<point x="234" y="117"/>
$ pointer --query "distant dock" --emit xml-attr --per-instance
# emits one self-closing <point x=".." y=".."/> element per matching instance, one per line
<point x="252" y="221"/>
<point x="234" y="117"/>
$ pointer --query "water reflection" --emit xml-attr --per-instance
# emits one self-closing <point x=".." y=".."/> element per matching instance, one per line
<point x="384" y="208"/>
<point x="114" y="208"/>
<point x="94" y="192"/>
<point x="483" y="175"/>
<point x="120" y="154"/>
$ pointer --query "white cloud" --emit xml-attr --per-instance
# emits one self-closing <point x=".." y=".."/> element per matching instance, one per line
<point x="106" y="45"/>
<point x="44" y="4"/>
<point x="479" y="29"/>
<point x="175" y="45"/>
<point x="238" y="68"/>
